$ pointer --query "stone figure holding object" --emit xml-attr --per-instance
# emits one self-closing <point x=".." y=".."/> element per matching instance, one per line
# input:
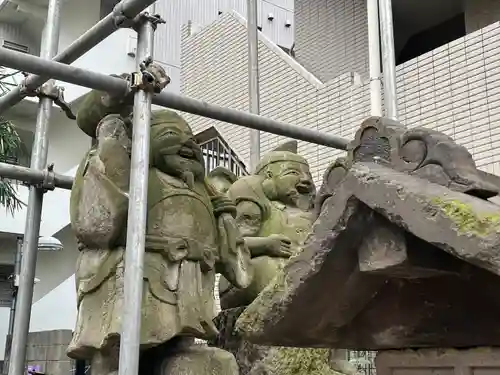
<point x="274" y="214"/>
<point x="191" y="234"/>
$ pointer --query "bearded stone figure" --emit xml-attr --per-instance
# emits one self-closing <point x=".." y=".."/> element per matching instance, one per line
<point x="191" y="234"/>
<point x="274" y="215"/>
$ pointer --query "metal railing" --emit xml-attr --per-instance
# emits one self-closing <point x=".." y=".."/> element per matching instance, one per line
<point x="217" y="153"/>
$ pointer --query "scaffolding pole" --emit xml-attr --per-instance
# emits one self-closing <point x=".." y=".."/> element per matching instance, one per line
<point x="50" y="42"/>
<point x="253" y="78"/>
<point x="34" y="176"/>
<point x="388" y="59"/>
<point x="137" y="211"/>
<point x="374" y="58"/>
<point x="102" y="82"/>
<point x="123" y="11"/>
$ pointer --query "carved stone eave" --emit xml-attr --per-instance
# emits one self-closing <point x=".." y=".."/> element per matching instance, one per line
<point x="434" y="286"/>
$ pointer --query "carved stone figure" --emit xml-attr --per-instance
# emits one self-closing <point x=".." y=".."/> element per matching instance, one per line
<point x="274" y="215"/>
<point x="221" y="179"/>
<point x="190" y="234"/>
<point x="407" y="245"/>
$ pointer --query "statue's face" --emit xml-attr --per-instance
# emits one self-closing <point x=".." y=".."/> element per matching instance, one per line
<point x="220" y="184"/>
<point x="248" y="218"/>
<point x="293" y="183"/>
<point x="176" y="152"/>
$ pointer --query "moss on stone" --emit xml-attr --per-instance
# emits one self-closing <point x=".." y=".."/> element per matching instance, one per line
<point x="253" y="318"/>
<point x="466" y="219"/>
<point x="299" y="361"/>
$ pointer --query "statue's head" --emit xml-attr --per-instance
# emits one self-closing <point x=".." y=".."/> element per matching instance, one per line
<point x="421" y="152"/>
<point x="287" y="177"/>
<point x="221" y="179"/>
<point x="173" y="148"/>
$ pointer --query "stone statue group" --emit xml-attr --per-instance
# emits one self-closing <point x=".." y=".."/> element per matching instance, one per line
<point x="248" y="230"/>
<point x="197" y="226"/>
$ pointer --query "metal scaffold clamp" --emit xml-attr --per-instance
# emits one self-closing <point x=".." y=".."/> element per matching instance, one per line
<point x="56" y="93"/>
<point x="151" y="77"/>
<point x="49" y="178"/>
<point x="123" y="21"/>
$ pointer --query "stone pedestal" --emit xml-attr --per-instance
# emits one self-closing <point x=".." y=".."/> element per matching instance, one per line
<point x="265" y="360"/>
<point x="200" y="360"/>
<point x="478" y="361"/>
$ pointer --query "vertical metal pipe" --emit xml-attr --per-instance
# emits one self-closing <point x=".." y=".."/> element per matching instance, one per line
<point x="374" y="58"/>
<point x="137" y="211"/>
<point x="17" y="270"/>
<point x="253" y="78"/>
<point x="389" y="59"/>
<point x="50" y="42"/>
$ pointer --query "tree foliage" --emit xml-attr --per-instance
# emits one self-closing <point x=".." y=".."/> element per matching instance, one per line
<point x="11" y="149"/>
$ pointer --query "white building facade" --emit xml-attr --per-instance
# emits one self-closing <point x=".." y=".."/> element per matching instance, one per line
<point x="21" y="25"/>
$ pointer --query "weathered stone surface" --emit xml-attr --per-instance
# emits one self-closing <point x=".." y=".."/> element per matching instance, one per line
<point x="264" y="360"/>
<point x="274" y="214"/>
<point x="246" y="353"/>
<point x="191" y="234"/>
<point x="421" y="152"/>
<point x="366" y="311"/>
<point x="200" y="360"/>
<point x="478" y="361"/>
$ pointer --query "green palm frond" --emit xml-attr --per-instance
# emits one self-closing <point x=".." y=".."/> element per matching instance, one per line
<point x="11" y="149"/>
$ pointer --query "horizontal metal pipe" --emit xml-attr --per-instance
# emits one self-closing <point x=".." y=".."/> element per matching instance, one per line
<point x="98" y="81"/>
<point x="88" y="40"/>
<point x="33" y="176"/>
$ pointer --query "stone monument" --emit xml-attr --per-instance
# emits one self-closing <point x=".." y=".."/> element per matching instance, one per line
<point x="274" y="214"/>
<point x="404" y="254"/>
<point x="191" y="234"/>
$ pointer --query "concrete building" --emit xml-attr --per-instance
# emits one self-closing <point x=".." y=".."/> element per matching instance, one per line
<point x="448" y="69"/>
<point x="21" y="25"/>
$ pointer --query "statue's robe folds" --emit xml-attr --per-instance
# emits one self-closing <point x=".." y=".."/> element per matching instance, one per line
<point x="181" y="248"/>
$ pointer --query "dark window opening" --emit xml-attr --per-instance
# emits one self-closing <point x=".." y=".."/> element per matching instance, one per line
<point x="432" y="38"/>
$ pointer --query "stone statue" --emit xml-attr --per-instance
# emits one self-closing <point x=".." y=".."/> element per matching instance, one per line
<point x="274" y="214"/>
<point x="221" y="179"/>
<point x="191" y="234"/>
<point x="405" y="253"/>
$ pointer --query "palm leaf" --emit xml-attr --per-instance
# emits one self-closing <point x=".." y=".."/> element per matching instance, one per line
<point x="11" y="149"/>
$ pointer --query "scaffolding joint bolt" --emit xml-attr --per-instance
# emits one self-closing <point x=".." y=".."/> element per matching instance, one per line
<point x="155" y="19"/>
<point x="150" y="77"/>
<point x="49" y="179"/>
<point x="56" y="93"/>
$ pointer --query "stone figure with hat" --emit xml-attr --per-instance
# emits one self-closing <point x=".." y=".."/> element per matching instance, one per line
<point x="191" y="234"/>
<point x="274" y="214"/>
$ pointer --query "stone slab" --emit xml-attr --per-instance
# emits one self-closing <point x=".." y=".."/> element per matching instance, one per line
<point x="479" y="361"/>
<point x="323" y="291"/>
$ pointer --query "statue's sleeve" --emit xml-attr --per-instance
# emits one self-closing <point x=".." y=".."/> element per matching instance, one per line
<point x="99" y="198"/>
<point x="96" y="105"/>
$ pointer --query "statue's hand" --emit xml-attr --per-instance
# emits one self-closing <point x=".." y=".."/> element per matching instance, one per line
<point x="281" y="246"/>
<point x="115" y="130"/>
